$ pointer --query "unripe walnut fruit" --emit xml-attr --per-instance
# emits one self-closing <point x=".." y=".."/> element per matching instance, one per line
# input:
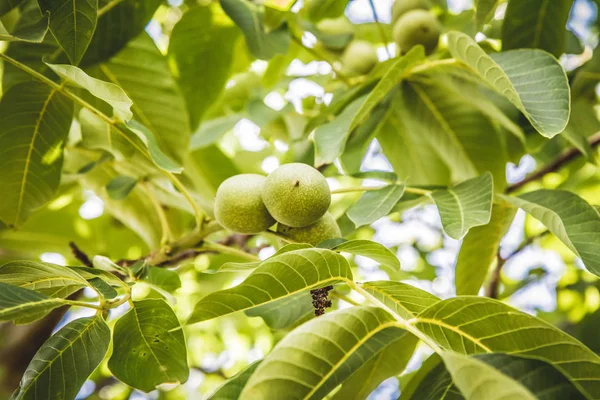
<point x="417" y="27"/>
<point x="359" y="58"/>
<point x="296" y="194"/>
<point x="401" y="7"/>
<point x="325" y="228"/>
<point x="239" y="206"/>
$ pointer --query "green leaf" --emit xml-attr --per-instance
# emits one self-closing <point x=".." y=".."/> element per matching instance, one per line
<point x="375" y="204"/>
<point x="158" y="156"/>
<point x="286" y="312"/>
<point x="314" y="358"/>
<point x="212" y="130"/>
<point x="199" y="36"/>
<point x="536" y="377"/>
<point x="246" y="266"/>
<point x="582" y="124"/>
<point x="410" y="151"/>
<point x="250" y="19"/>
<point x="24" y="305"/>
<point x="531" y="79"/>
<point x="390" y="361"/>
<point x="465" y="205"/>
<point x="471" y="325"/>
<point x="479" y="381"/>
<point x="330" y="138"/>
<point x="321" y="9"/>
<point x="479" y="248"/>
<point x="158" y="102"/>
<point x="569" y="217"/>
<point x="35" y="121"/>
<point x="7" y="5"/>
<point x="149" y="347"/>
<point x="276" y="278"/>
<point x="372" y="250"/>
<point x="161" y="277"/>
<point x="50" y="279"/>
<point x="119" y="187"/>
<point x="232" y="387"/>
<point x="458" y="130"/>
<point x="483" y="11"/>
<point x="63" y="364"/>
<point x="431" y="382"/>
<point x="72" y="22"/>
<point x="106" y="291"/>
<point x="99" y="134"/>
<point x="33" y="31"/>
<point x="538" y="24"/>
<point x="392" y="78"/>
<point x="118" y="23"/>
<point x="401" y="298"/>
<point x="105" y="91"/>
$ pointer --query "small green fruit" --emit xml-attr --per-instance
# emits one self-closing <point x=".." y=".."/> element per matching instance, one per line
<point x="325" y="228"/>
<point x="417" y="27"/>
<point x="359" y="58"/>
<point x="239" y="206"/>
<point x="401" y="7"/>
<point x="296" y="194"/>
<point x="335" y="26"/>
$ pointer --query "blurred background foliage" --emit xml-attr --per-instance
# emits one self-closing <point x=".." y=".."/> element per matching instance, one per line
<point x="257" y="115"/>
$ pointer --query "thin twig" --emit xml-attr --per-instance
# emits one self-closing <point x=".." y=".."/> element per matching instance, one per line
<point x="80" y="255"/>
<point x="323" y="57"/>
<point x="555" y="165"/>
<point x="492" y="289"/>
<point x="381" y="31"/>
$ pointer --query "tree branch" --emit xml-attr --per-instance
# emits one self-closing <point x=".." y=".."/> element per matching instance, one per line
<point x="80" y="255"/>
<point x="566" y="157"/>
<point x="492" y="289"/>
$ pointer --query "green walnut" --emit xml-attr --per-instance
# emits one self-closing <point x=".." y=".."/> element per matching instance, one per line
<point x="417" y="27"/>
<point x="335" y="26"/>
<point x="401" y="7"/>
<point x="359" y="58"/>
<point x="296" y="195"/>
<point x="239" y="206"/>
<point x="325" y="228"/>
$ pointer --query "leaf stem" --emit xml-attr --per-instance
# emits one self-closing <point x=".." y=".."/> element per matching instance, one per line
<point x="82" y="304"/>
<point x="108" y="7"/>
<point x="167" y="235"/>
<point x="407" y="189"/>
<point x="219" y="248"/>
<point x="176" y="182"/>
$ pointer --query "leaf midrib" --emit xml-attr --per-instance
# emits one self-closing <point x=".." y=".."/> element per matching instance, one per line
<point x="29" y="153"/>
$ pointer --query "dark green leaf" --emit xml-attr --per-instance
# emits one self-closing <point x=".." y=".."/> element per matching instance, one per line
<point x="372" y="250"/>
<point x="72" y="22"/>
<point x="24" y="305"/>
<point x="197" y="37"/>
<point x="532" y="80"/>
<point x="276" y="278"/>
<point x="158" y="156"/>
<point x="330" y="138"/>
<point x="479" y="248"/>
<point x="465" y="205"/>
<point x="250" y="18"/>
<point x="321" y="9"/>
<point x="149" y="347"/>
<point x="483" y="11"/>
<point x="32" y="31"/>
<point x="570" y="218"/>
<point x="401" y="298"/>
<point x="35" y="121"/>
<point x="118" y="188"/>
<point x="375" y="204"/>
<point x="63" y="364"/>
<point x="538" y="24"/>
<point x="104" y="289"/>
<point x="390" y="361"/>
<point x="161" y="277"/>
<point x="314" y="358"/>
<point x="50" y="279"/>
<point x="158" y="102"/>
<point x="286" y="312"/>
<point x="232" y="388"/>
<point x="7" y="5"/>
